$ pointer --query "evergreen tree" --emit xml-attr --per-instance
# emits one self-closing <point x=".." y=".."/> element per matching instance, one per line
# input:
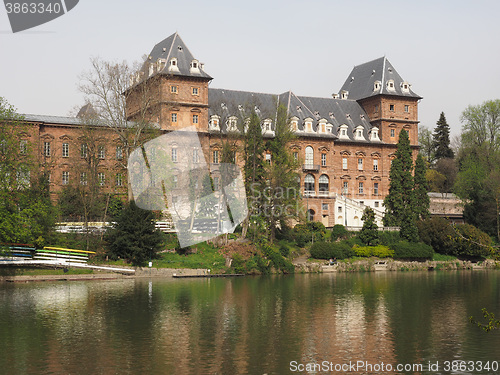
<point x="441" y="139"/>
<point x="282" y="173"/>
<point x="400" y="202"/>
<point x="134" y="236"/>
<point x="369" y="233"/>
<point x="421" y="188"/>
<point x="254" y="170"/>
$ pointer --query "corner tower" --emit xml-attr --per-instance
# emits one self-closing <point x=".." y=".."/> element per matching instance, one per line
<point x="386" y="98"/>
<point x="171" y="87"/>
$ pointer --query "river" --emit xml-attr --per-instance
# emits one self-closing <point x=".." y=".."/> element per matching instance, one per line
<point x="312" y="323"/>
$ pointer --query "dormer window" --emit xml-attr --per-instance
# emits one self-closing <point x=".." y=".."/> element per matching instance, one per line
<point x="195" y="67"/>
<point x="308" y="122"/>
<point x="358" y="133"/>
<point x="405" y="87"/>
<point x="344" y="94"/>
<point x="294" y="125"/>
<point x="377" y="85"/>
<point x="151" y="69"/>
<point x="214" y="122"/>
<point x="160" y="64"/>
<point x="374" y="134"/>
<point x="390" y="85"/>
<point x="343" y="132"/>
<point x="173" y="65"/>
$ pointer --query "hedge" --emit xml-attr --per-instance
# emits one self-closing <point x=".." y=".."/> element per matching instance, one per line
<point x="412" y="250"/>
<point x="379" y="251"/>
<point x="327" y="250"/>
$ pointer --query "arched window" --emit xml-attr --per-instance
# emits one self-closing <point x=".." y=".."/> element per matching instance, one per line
<point x="309" y="156"/>
<point x="310" y="215"/>
<point x="309" y="183"/>
<point x="323" y="183"/>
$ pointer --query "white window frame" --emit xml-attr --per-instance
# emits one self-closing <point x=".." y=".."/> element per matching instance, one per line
<point x="65" y="150"/>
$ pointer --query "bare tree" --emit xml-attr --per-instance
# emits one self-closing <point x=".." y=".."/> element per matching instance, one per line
<point x="122" y="101"/>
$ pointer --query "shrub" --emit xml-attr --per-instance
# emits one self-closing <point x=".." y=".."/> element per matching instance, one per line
<point x="389" y="238"/>
<point x="412" y="250"/>
<point x="339" y="232"/>
<point x="278" y="261"/>
<point x="471" y="241"/>
<point x="378" y="251"/>
<point x="438" y="233"/>
<point x="326" y="250"/>
<point x="303" y="233"/>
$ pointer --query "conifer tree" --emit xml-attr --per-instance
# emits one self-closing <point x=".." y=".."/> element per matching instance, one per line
<point x="421" y="188"/>
<point x="400" y="202"/>
<point x="441" y="139"/>
<point x="369" y="233"/>
<point x="134" y="237"/>
<point x="282" y="174"/>
<point x="254" y="169"/>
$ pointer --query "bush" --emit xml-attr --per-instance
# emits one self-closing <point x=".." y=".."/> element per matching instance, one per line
<point x="438" y="233"/>
<point x="378" y="251"/>
<point x="412" y="250"/>
<point x="339" y="232"/>
<point x="326" y="250"/>
<point x="302" y="234"/>
<point x="389" y="238"/>
<point x="278" y="261"/>
<point x="471" y="241"/>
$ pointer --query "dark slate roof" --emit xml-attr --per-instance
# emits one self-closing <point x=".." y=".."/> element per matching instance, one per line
<point x="64" y="120"/>
<point x="360" y="82"/>
<point x="173" y="46"/>
<point x="227" y="103"/>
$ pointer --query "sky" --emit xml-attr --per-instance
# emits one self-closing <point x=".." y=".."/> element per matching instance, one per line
<point x="447" y="50"/>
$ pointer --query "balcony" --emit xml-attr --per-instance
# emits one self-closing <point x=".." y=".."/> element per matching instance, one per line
<point x="310" y="167"/>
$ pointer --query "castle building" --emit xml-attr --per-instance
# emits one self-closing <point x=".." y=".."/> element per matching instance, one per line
<point x="344" y="143"/>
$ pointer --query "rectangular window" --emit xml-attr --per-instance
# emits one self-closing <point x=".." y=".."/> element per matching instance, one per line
<point x="344" y="163"/>
<point x="196" y="155"/>
<point x="175" y="180"/>
<point x="84" y="151"/>
<point x="173" y="89"/>
<point x="216" y="183"/>
<point x="268" y="158"/>
<point x="324" y="206"/>
<point x="361" y="188"/>
<point x="46" y="148"/>
<point x="323" y="160"/>
<point x="375" y="164"/>
<point x="23" y="147"/>
<point x="101" y="178"/>
<point x="195" y="91"/>
<point x="119" y="152"/>
<point x="215" y="157"/>
<point x="101" y="152"/>
<point x="407" y="108"/>
<point x="375" y="188"/>
<point x="119" y="179"/>
<point x="393" y="133"/>
<point x="376" y="204"/>
<point x="195" y="119"/>
<point x="65" y="177"/>
<point x="345" y="188"/>
<point x="174" y="117"/>
<point x="65" y="150"/>
<point x="174" y="155"/>
<point x="295" y="156"/>
<point x="360" y="164"/>
<point x="339" y="209"/>
<point x="83" y="178"/>
<point x="391" y="107"/>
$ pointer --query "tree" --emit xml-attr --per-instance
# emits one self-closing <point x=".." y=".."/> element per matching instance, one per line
<point x="283" y="189"/>
<point x="369" y="233"/>
<point x="441" y="139"/>
<point x="26" y="212"/>
<point x="114" y="101"/>
<point x="426" y="144"/>
<point x="421" y="188"/>
<point x="134" y="237"/>
<point x="447" y="167"/>
<point x="400" y="202"/>
<point x="254" y="169"/>
<point x="481" y="125"/>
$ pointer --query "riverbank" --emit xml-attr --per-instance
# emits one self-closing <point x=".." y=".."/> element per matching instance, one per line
<point x="302" y="265"/>
<point x="376" y="265"/>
